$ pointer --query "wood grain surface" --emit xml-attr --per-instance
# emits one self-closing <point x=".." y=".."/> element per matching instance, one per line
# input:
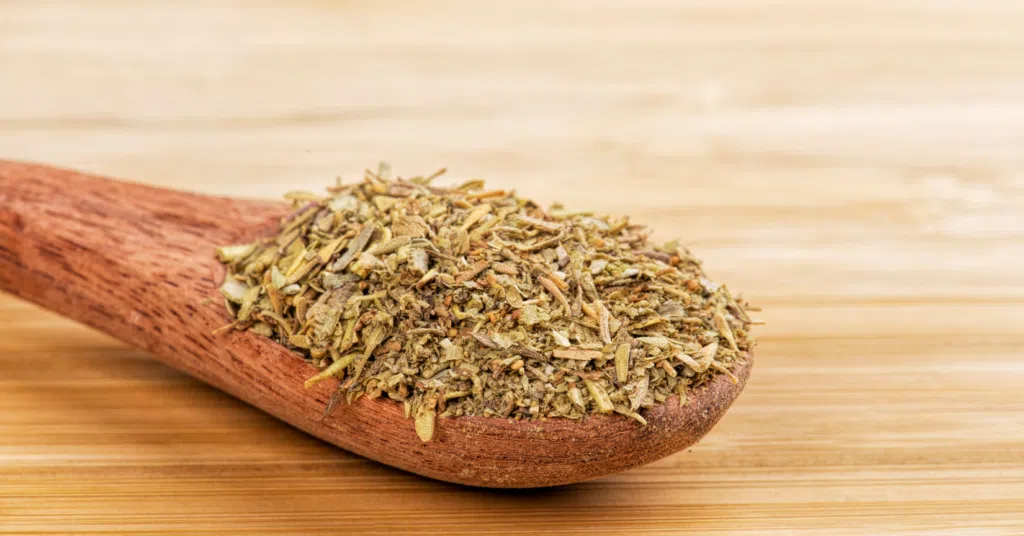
<point x="856" y="167"/>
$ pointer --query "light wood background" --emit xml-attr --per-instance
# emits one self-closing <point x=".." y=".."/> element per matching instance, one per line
<point x="856" y="167"/>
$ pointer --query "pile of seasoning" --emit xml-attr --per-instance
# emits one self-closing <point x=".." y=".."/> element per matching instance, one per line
<point x="467" y="301"/>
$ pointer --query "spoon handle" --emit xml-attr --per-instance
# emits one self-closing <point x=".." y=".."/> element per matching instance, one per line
<point x="111" y="254"/>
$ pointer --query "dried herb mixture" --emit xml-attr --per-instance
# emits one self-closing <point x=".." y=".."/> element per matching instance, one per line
<point x="467" y="301"/>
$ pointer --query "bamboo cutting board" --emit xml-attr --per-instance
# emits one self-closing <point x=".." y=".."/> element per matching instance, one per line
<point x="857" y="168"/>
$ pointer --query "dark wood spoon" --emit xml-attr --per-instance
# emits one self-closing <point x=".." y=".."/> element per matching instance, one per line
<point x="137" y="262"/>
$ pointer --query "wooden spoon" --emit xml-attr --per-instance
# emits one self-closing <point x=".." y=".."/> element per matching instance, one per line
<point x="137" y="262"/>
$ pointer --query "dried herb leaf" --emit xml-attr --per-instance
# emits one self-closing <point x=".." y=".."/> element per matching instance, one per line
<point x="601" y="399"/>
<point x="425" y="425"/>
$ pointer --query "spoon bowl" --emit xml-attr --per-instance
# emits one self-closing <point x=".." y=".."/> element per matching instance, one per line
<point x="137" y="262"/>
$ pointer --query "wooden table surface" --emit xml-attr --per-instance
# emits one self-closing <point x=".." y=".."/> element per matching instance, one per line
<point x="856" y="167"/>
